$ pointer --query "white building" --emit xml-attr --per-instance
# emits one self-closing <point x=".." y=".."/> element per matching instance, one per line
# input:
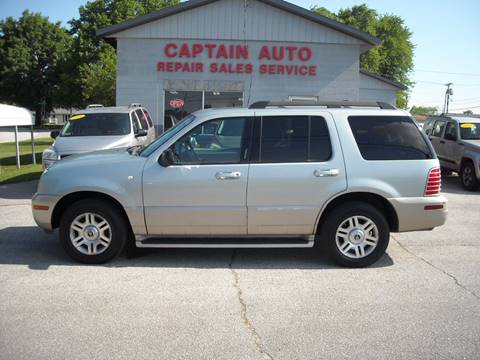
<point x="217" y="53"/>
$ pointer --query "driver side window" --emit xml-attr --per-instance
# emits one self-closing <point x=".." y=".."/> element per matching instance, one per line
<point x="219" y="141"/>
<point x="450" y="132"/>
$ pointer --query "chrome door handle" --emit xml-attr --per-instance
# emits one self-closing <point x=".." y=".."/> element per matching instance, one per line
<point x="325" y="172"/>
<point x="228" y="175"/>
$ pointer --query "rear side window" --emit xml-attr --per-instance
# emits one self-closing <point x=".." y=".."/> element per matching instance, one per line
<point x="293" y="139"/>
<point x="389" y="138"/>
<point x="438" y="128"/>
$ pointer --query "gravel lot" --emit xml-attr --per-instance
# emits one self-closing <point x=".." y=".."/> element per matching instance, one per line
<point x="421" y="301"/>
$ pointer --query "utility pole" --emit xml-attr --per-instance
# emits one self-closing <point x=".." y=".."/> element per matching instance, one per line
<point x="448" y="93"/>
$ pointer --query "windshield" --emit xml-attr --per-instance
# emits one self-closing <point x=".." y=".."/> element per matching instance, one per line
<point x="470" y="131"/>
<point x="162" y="139"/>
<point x="99" y="124"/>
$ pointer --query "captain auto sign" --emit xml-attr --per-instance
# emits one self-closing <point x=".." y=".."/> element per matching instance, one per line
<point x="224" y="58"/>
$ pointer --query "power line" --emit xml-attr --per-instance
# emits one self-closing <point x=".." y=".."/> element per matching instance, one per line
<point x="467" y="108"/>
<point x="447" y="72"/>
<point x="443" y="84"/>
<point x="467" y="99"/>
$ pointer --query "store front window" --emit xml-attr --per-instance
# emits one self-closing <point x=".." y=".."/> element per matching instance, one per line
<point x="179" y="104"/>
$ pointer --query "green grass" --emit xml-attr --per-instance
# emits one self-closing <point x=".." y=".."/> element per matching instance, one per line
<point x="8" y="166"/>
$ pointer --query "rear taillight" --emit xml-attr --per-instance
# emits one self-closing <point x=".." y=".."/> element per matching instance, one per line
<point x="434" y="182"/>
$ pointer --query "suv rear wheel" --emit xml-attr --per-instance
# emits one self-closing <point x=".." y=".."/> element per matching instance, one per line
<point x="356" y="233"/>
<point x="92" y="231"/>
<point x="468" y="177"/>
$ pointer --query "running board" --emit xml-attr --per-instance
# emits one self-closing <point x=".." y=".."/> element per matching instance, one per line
<point x="226" y="242"/>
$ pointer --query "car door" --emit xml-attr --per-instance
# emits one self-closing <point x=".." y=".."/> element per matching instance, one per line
<point x="204" y="191"/>
<point x="297" y="165"/>
<point x="435" y="137"/>
<point x="452" y="150"/>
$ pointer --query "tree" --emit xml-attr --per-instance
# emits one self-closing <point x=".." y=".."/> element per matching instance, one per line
<point x="32" y="52"/>
<point x="98" y="79"/>
<point x="468" y="112"/>
<point x="393" y="58"/>
<point x="93" y="60"/>
<point x="423" y="110"/>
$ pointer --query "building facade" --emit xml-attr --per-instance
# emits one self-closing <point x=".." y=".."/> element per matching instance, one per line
<point x="227" y="53"/>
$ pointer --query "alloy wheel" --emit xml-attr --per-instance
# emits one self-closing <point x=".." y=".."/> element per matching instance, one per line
<point x="357" y="237"/>
<point x="90" y="233"/>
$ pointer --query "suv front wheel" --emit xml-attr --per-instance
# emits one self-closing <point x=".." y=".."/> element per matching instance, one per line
<point x="92" y="231"/>
<point x="356" y="233"/>
<point x="468" y="177"/>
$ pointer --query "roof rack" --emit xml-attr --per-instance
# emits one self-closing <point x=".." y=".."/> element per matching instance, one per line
<point x="94" y="106"/>
<point x="133" y="105"/>
<point x="327" y="104"/>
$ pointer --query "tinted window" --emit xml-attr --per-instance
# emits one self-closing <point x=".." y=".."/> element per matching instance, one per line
<point x="293" y="139"/>
<point x="135" y="123"/>
<point x="284" y="139"/>
<point x="142" y="118"/>
<point x="99" y="124"/>
<point x="149" y="119"/>
<point x="450" y="132"/>
<point x="438" y="128"/>
<point x="388" y="138"/>
<point x="223" y="145"/>
<point x="320" y="148"/>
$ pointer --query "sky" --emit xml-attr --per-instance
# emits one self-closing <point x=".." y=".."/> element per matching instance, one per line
<point x="446" y="35"/>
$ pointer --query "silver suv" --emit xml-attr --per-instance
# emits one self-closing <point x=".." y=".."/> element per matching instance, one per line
<point x="274" y="175"/>
<point x="456" y="139"/>
<point x="97" y="128"/>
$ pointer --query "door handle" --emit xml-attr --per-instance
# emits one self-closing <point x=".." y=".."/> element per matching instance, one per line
<point x="442" y="142"/>
<point x="232" y="175"/>
<point x="325" y="172"/>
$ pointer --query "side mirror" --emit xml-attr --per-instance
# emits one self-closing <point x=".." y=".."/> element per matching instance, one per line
<point x="54" y="134"/>
<point x="167" y="158"/>
<point x="141" y="133"/>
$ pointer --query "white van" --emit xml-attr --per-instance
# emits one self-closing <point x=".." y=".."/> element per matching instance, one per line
<point x="98" y="128"/>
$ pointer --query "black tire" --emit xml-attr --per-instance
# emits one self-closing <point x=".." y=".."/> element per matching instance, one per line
<point x="468" y="177"/>
<point x="118" y="227"/>
<point x="446" y="172"/>
<point x="339" y="216"/>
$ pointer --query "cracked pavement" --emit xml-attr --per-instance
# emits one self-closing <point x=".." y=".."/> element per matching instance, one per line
<point x="419" y="301"/>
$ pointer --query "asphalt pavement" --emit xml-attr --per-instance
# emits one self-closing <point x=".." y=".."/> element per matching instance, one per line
<point x="420" y="301"/>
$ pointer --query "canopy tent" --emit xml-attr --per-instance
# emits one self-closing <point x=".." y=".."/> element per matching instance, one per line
<point x="16" y="116"/>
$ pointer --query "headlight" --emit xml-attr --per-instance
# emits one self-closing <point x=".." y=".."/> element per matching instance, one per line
<point x="49" y="157"/>
<point x="50" y="154"/>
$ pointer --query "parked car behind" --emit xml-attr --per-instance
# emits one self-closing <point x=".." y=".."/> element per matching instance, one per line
<point x="267" y="176"/>
<point x="97" y="128"/>
<point x="456" y="139"/>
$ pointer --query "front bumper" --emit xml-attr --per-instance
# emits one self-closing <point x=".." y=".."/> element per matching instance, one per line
<point x="42" y="209"/>
<point x="413" y="216"/>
